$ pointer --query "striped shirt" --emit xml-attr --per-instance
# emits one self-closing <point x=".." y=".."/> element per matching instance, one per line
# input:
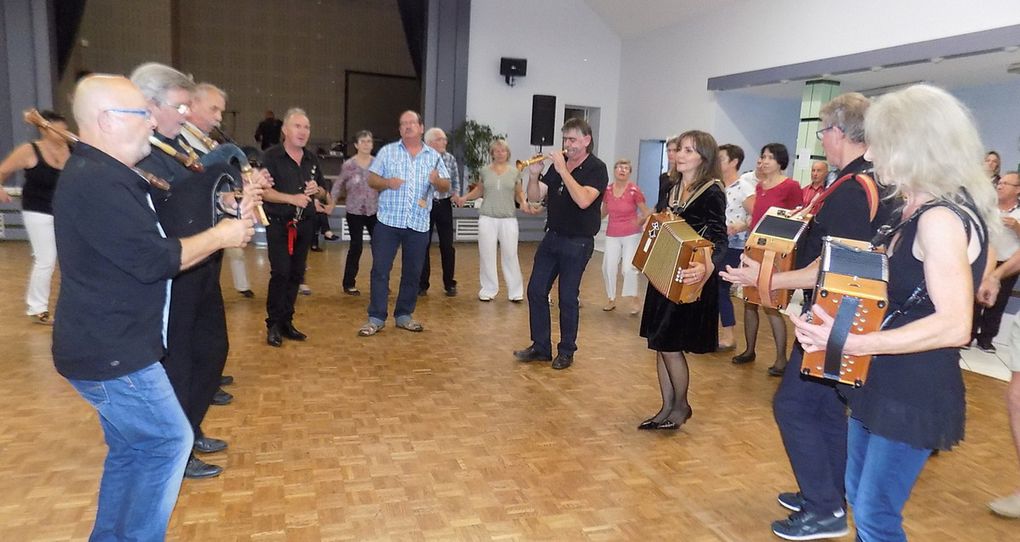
<point x="410" y="205"/>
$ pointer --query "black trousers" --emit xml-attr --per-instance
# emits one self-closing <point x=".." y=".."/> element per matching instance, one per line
<point x="987" y="319"/>
<point x="286" y="271"/>
<point x="356" y="224"/>
<point x="196" y="339"/>
<point x="442" y="222"/>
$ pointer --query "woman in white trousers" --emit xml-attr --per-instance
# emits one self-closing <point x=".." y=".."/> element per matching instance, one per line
<point x="42" y="161"/>
<point x="624" y="204"/>
<point x="500" y="188"/>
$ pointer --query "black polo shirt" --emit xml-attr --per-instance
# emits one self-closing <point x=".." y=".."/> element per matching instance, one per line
<point x="114" y="270"/>
<point x="565" y="217"/>
<point x="290" y="178"/>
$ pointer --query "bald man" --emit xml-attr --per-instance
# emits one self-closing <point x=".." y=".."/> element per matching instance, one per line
<point x="116" y="265"/>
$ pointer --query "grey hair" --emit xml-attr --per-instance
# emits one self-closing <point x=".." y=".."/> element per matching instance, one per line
<point x="432" y="133"/>
<point x="922" y="139"/>
<point x="294" y="111"/>
<point x="155" y="79"/>
<point x="209" y="88"/>
<point x="846" y="112"/>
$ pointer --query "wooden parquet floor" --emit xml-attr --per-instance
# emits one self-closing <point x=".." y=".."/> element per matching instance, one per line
<point x="442" y="436"/>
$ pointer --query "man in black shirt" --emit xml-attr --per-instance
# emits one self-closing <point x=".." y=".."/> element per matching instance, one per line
<point x="116" y="264"/>
<point x="267" y="133"/>
<point x="297" y="178"/>
<point x="576" y="184"/>
<point x="811" y="413"/>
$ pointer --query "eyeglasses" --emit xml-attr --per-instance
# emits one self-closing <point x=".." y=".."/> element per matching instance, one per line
<point x="144" y="113"/>
<point x="821" y="132"/>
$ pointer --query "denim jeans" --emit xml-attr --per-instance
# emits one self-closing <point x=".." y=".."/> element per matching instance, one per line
<point x="385" y="242"/>
<point x="880" y="473"/>
<point x="566" y="258"/>
<point x="149" y="442"/>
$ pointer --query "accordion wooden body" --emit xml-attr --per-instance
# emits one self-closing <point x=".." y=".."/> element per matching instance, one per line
<point x="668" y="246"/>
<point x="852" y="288"/>
<point x="773" y="243"/>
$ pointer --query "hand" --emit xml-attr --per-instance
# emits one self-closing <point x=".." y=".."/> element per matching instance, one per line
<point x="559" y="161"/>
<point x="988" y="291"/>
<point x="236" y="232"/>
<point x="4" y="196"/>
<point x="394" y="183"/>
<point x="745" y="275"/>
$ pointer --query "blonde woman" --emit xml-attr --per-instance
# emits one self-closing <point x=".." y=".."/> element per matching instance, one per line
<point x="500" y="188"/>
<point x="924" y="144"/>
<point x="624" y="204"/>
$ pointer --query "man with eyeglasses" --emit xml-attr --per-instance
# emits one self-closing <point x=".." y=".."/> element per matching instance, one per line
<point x="811" y="413"/>
<point x="197" y="334"/>
<point x="987" y="317"/>
<point x="116" y="265"/>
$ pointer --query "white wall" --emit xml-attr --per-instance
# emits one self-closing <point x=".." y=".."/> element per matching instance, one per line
<point x="556" y="38"/>
<point x="996" y="109"/>
<point x="664" y="73"/>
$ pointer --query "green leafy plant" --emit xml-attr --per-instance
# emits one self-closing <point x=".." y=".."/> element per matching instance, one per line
<point x="471" y="143"/>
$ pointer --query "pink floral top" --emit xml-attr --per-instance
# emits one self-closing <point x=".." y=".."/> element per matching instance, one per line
<point x="623" y="211"/>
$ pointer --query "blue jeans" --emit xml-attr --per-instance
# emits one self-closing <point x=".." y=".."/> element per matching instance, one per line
<point x="880" y="473"/>
<point x="726" y="316"/>
<point x="812" y="421"/>
<point x="150" y="441"/>
<point x="566" y="258"/>
<point x="385" y="242"/>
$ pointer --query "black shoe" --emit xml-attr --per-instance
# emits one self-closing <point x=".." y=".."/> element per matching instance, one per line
<point x="291" y="332"/>
<point x="791" y="501"/>
<point x="197" y="468"/>
<point x="530" y="354"/>
<point x="273" y="337"/>
<point x="221" y="398"/>
<point x="746" y="357"/>
<point x="563" y="361"/>
<point x="207" y="445"/>
<point x="246" y="293"/>
<point x="451" y="291"/>
<point x="226" y="380"/>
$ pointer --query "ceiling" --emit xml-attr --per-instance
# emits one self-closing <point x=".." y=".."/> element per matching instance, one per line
<point x="983" y="69"/>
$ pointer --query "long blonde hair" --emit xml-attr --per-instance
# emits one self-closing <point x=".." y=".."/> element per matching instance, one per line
<point x="923" y="140"/>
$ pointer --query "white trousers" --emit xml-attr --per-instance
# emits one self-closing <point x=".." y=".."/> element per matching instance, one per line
<point x="618" y="256"/>
<point x="44" y="258"/>
<point x="235" y="256"/>
<point x="504" y="232"/>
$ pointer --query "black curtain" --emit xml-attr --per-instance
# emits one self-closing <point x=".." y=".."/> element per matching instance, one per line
<point x="67" y="16"/>
<point x="413" y="15"/>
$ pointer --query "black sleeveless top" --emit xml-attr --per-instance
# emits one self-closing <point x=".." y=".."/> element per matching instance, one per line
<point x="40" y="183"/>
<point x="915" y="398"/>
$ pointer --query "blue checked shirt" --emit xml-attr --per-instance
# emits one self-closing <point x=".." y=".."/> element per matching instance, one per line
<point x="401" y="208"/>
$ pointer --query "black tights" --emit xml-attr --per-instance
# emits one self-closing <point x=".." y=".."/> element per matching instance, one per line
<point x="778" y="331"/>
<point x="674" y="380"/>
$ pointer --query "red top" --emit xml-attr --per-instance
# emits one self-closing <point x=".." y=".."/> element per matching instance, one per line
<point x="787" y="194"/>
<point x="623" y="211"/>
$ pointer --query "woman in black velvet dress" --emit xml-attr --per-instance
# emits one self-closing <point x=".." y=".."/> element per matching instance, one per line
<point x="674" y="329"/>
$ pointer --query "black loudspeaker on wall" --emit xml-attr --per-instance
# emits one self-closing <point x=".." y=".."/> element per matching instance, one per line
<point x="543" y="118"/>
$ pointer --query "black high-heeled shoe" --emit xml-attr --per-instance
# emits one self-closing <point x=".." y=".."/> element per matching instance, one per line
<point x="745" y="357"/>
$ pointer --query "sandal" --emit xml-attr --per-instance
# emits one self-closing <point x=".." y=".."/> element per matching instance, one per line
<point x="411" y="325"/>
<point x="370" y="329"/>
<point x="42" y="318"/>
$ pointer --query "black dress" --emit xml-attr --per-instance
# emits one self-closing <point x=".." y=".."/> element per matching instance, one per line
<point x="691" y="327"/>
<point x="915" y="398"/>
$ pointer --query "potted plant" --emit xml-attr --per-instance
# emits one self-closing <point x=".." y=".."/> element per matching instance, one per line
<point x="471" y="145"/>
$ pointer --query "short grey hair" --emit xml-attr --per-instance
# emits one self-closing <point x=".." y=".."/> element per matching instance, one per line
<point x="432" y="133"/>
<point x="209" y="88"/>
<point x="294" y="111"/>
<point x="155" y="79"/>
